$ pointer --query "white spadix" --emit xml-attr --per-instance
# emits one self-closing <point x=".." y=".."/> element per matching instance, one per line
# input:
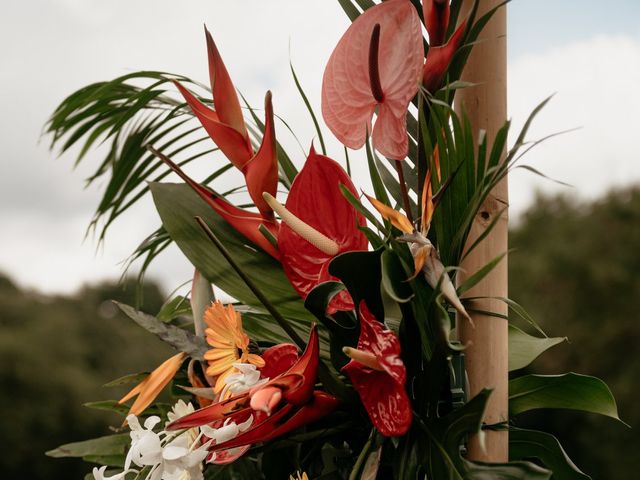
<point x="310" y="234"/>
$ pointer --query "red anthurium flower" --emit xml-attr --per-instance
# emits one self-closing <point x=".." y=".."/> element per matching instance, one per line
<point x="227" y="129"/>
<point x="376" y="64"/>
<point x="379" y="376"/>
<point x="286" y="402"/>
<point x="244" y="222"/>
<point x="318" y="223"/>
<point x="436" y="19"/>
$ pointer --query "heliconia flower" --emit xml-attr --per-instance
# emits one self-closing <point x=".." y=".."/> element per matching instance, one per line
<point x="436" y="19"/>
<point x="379" y="375"/>
<point x="377" y="64"/>
<point x="318" y="223"/>
<point x="244" y="222"/>
<point x="230" y="344"/>
<point x="225" y="125"/>
<point x="298" y="404"/>
<point x="439" y="58"/>
<point x="152" y="385"/>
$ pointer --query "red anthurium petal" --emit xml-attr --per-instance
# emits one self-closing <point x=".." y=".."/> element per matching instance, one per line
<point x="244" y="222"/>
<point x="261" y="172"/>
<point x="436" y="19"/>
<point x="278" y="359"/>
<point x="316" y="199"/>
<point x="350" y="95"/>
<point x="224" y="93"/>
<point x="439" y="58"/>
<point x="382" y="392"/>
<point x="230" y="141"/>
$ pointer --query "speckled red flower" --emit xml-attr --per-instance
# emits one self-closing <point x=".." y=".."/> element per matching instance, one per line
<point x="379" y="375"/>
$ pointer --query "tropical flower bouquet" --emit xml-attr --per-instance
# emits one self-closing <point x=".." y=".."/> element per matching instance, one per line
<point x="339" y="355"/>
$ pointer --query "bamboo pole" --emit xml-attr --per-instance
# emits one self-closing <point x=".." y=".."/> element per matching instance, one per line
<point x="486" y="358"/>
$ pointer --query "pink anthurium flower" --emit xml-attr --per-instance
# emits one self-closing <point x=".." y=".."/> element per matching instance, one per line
<point x="377" y="64"/>
<point x="225" y="125"/>
<point x="285" y="403"/>
<point x="244" y="222"/>
<point x="379" y="376"/>
<point x="318" y="223"/>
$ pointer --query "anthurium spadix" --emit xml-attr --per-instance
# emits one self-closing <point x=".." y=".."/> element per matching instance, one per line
<point x="244" y="222"/>
<point x="318" y="223"/>
<point x="225" y="125"/>
<point x="377" y="64"/>
<point x="379" y="375"/>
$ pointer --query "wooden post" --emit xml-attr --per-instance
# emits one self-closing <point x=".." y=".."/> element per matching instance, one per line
<point x="487" y="353"/>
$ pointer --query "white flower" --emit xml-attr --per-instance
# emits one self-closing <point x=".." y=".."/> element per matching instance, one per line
<point x="243" y="381"/>
<point x="146" y="446"/>
<point x="180" y="461"/>
<point x="98" y="474"/>
<point x="227" y="431"/>
<point x="179" y="410"/>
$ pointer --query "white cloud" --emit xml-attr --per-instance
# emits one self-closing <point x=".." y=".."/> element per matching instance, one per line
<point x="596" y="85"/>
<point x="44" y="209"/>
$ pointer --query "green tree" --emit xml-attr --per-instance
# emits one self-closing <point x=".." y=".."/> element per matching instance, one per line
<point x="576" y="271"/>
<point x="55" y="353"/>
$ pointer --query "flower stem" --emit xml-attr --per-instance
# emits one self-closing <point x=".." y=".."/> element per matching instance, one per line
<point x="403" y="190"/>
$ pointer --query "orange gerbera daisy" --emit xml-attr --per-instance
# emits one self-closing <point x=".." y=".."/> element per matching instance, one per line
<point x="230" y="343"/>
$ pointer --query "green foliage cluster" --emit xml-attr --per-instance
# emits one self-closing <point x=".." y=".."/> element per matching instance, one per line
<point x="576" y="268"/>
<point x="55" y="353"/>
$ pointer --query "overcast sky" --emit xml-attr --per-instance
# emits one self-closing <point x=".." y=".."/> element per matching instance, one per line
<point x="585" y="51"/>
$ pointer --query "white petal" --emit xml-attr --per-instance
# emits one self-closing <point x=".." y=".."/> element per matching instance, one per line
<point x="173" y="452"/>
<point x="246" y="424"/>
<point x="151" y="422"/>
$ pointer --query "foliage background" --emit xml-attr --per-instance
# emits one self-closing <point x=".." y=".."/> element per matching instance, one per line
<point x="575" y="269"/>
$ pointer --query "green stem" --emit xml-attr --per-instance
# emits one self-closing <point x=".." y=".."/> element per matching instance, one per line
<point x="284" y="324"/>
<point x="403" y="190"/>
<point x="355" y="472"/>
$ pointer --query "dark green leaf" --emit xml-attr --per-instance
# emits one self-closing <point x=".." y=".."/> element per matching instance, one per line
<point x="571" y="391"/>
<point x="180" y="339"/>
<point x="525" y="348"/>
<point x="109" y="445"/>
<point x="527" y="444"/>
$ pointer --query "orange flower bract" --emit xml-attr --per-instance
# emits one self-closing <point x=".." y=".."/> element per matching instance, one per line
<point x="230" y="343"/>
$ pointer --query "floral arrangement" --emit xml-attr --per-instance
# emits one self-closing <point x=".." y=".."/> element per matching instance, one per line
<point x="337" y="359"/>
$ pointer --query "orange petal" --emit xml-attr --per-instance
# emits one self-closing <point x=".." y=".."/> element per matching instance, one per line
<point x="418" y="261"/>
<point x="151" y="386"/>
<point x="397" y="219"/>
